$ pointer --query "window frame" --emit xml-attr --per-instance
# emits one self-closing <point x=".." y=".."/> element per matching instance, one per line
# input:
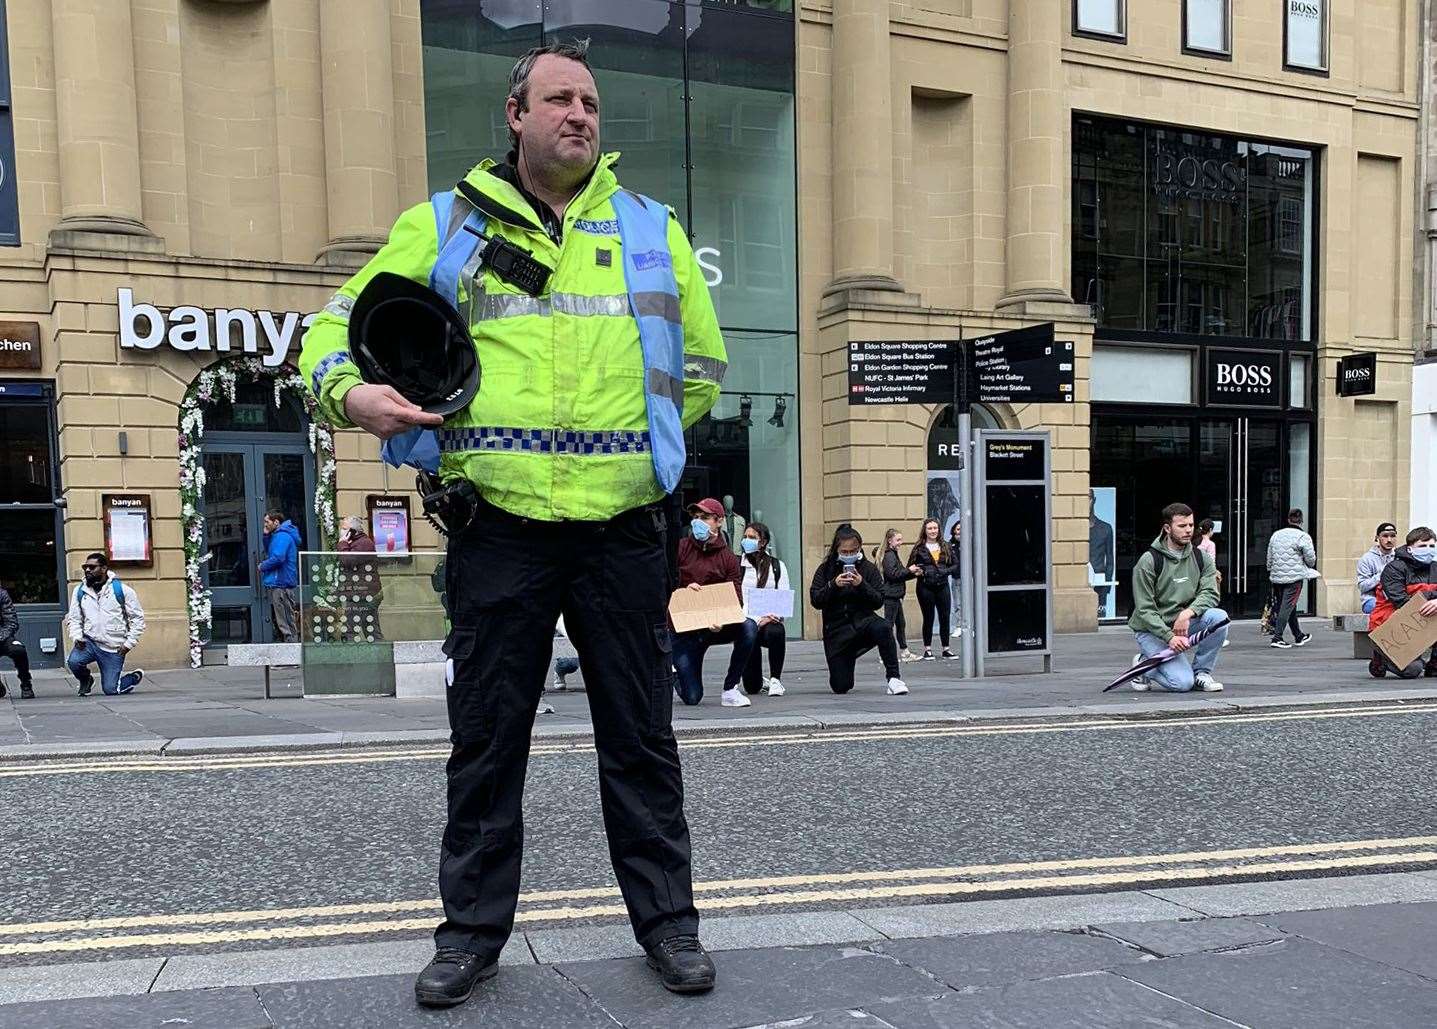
<point x="1121" y="36"/>
<point x="39" y="395"/>
<point x="1198" y="51"/>
<point x="1306" y="69"/>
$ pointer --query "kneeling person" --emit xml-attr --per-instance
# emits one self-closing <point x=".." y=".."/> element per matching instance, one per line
<point x="1175" y="595"/>
<point x="848" y="589"/>
<point x="1411" y="576"/>
<point x="105" y="622"/>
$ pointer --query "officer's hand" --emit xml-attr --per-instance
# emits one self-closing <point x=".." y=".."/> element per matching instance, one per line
<point x="383" y="412"/>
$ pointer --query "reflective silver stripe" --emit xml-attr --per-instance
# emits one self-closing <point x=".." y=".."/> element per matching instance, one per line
<point x="704" y="369"/>
<point x="340" y="305"/>
<point x="490" y="306"/>
<point x="661" y="383"/>
<point x="469" y="276"/>
<point x="664" y="305"/>
<point x="582" y="306"/>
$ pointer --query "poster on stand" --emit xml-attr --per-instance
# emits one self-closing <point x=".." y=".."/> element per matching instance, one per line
<point x="389" y="523"/>
<point x="127" y="529"/>
<point x="1102" y="549"/>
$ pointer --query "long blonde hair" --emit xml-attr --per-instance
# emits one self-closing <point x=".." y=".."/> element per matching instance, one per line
<point x="887" y="544"/>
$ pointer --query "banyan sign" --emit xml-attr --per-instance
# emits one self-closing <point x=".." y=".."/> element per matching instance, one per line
<point x="915" y="371"/>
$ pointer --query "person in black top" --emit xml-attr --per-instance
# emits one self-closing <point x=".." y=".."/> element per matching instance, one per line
<point x="848" y="589"/>
<point x="936" y="562"/>
<point x="895" y="588"/>
<point x="11" y="647"/>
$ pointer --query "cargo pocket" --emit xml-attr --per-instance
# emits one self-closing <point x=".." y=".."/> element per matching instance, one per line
<point x="661" y="689"/>
<point x="464" y="699"/>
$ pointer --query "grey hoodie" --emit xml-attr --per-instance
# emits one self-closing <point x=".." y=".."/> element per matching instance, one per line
<point x="1369" y="569"/>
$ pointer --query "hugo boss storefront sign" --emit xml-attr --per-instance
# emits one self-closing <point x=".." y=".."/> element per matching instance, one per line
<point x="1243" y="378"/>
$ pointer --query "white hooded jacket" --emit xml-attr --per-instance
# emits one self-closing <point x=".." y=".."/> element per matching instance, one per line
<point x="96" y="615"/>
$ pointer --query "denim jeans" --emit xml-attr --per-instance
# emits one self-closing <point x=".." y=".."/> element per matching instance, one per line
<point x="1177" y="674"/>
<point x="689" y="650"/>
<point x="111" y="663"/>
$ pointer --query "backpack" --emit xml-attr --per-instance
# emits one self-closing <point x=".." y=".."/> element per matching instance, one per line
<point x="119" y="598"/>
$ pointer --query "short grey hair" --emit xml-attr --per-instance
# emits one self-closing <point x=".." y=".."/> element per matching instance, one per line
<point x="574" y="50"/>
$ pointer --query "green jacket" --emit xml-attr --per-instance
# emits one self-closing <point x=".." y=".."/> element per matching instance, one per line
<point x="567" y="363"/>
<point x="1164" y="583"/>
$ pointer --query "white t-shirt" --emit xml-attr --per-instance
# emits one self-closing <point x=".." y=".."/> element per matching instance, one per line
<point x="750" y="578"/>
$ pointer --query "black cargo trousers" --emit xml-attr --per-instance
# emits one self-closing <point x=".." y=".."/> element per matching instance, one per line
<point x="507" y="580"/>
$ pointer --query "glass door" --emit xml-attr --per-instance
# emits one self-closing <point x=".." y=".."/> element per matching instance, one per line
<point x="242" y="482"/>
<point x="1242" y="488"/>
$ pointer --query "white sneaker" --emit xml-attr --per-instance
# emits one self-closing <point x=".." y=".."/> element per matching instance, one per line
<point x="735" y="698"/>
<point x="1205" y="682"/>
<point x="897" y="687"/>
<point x="545" y="708"/>
<point x="774" y="688"/>
<point x="1140" y="684"/>
<point x="560" y="686"/>
<point x="908" y="655"/>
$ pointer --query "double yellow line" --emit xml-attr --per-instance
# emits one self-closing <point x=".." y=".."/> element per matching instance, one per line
<point x="557" y="908"/>
<point x="707" y="741"/>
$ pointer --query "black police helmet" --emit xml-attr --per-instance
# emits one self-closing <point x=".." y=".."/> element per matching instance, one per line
<point x="405" y="335"/>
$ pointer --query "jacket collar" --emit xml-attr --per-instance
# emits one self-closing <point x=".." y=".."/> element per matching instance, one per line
<point x="502" y="200"/>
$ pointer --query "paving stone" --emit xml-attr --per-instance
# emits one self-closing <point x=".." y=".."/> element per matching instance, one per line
<point x="67" y="981"/>
<point x="237" y="1008"/>
<point x="1079" y="1002"/>
<point x="534" y="998"/>
<point x="754" y="988"/>
<point x="1402" y="935"/>
<point x="986" y="916"/>
<point x="1295" y="983"/>
<point x="1171" y="939"/>
<point x="995" y="959"/>
<point x="846" y="1018"/>
<point x="1260" y="898"/>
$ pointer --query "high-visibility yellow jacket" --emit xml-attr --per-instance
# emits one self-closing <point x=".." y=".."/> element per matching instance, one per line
<point x="561" y="391"/>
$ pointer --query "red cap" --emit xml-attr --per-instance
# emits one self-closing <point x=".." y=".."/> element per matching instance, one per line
<point x="708" y="506"/>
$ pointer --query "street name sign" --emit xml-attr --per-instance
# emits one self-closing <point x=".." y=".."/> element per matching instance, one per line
<point x="910" y="371"/>
<point x="1024" y="366"/>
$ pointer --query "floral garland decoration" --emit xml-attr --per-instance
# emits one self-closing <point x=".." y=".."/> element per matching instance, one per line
<point x="215" y="382"/>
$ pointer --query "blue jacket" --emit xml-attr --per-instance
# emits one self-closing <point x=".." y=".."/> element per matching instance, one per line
<point x="281" y="567"/>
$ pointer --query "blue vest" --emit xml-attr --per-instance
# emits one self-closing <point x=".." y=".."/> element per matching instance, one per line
<point x="653" y="299"/>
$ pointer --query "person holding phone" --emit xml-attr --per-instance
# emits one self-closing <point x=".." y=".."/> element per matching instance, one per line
<point x="848" y="589"/>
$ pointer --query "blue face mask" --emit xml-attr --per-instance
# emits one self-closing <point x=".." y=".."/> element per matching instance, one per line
<point x="750" y="545"/>
<point x="700" y="529"/>
<point x="850" y="559"/>
<point x="1426" y="555"/>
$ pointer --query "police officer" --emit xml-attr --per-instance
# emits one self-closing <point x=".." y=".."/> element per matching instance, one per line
<point x="591" y="369"/>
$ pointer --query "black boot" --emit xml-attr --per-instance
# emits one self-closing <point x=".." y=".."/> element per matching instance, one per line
<point x="2" y="687"/>
<point x="450" y="977"/>
<point x="27" y="691"/>
<point x="682" y="964"/>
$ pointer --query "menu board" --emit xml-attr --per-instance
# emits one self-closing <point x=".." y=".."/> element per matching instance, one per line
<point x="127" y="529"/>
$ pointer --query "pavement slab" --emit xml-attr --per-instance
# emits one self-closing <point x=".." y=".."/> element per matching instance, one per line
<point x="756" y="987"/>
<point x="1259" y="898"/>
<point x="1075" y="1002"/>
<point x="72" y="981"/>
<point x="1172" y="939"/>
<point x="534" y="998"/>
<point x="1295" y="984"/>
<point x="237" y="1008"/>
<point x="986" y="916"/>
<point x="996" y="959"/>
<point x="1401" y="935"/>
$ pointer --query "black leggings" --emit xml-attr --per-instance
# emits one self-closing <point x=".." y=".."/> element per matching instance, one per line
<point x="16" y="652"/>
<point x="938" y="602"/>
<point x="772" y="638"/>
<point x="893" y="615"/>
<point x="843" y="648"/>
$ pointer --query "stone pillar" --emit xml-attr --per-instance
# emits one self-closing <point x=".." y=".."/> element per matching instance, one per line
<point x="1037" y="170"/>
<point x="99" y="133"/>
<point x="862" y="164"/>
<point x="357" y="77"/>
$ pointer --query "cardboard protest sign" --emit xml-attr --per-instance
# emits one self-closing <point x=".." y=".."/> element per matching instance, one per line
<point x="1404" y="636"/>
<point x="710" y="605"/>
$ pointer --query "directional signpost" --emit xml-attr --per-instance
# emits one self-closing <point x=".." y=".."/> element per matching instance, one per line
<point x="1024" y="366"/>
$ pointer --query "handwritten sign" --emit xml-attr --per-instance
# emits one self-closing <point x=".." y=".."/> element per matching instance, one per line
<point x="1406" y="635"/>
<point x="703" y="607"/>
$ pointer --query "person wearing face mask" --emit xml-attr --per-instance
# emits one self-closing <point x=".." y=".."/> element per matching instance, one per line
<point x="1409" y="577"/>
<point x="848" y="589"/>
<point x="761" y="570"/>
<point x="359" y="579"/>
<point x="936" y="564"/>
<point x="706" y="560"/>
<point x="895" y="588"/>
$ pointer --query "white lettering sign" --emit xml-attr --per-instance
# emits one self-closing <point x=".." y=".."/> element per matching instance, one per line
<point x="190" y="329"/>
<point x="1254" y="375"/>
<point x="713" y="274"/>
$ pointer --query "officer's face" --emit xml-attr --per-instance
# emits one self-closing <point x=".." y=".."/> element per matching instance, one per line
<point x="560" y="127"/>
